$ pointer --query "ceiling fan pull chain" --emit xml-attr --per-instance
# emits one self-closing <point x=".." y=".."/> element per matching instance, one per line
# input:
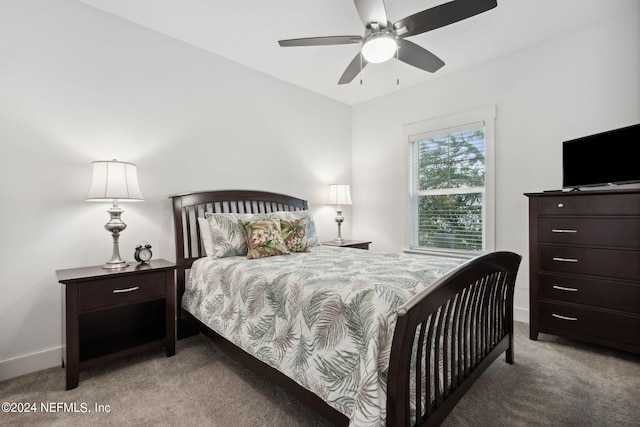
<point x="397" y="59"/>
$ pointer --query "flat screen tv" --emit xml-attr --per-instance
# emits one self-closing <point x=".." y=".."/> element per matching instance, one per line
<point x="606" y="158"/>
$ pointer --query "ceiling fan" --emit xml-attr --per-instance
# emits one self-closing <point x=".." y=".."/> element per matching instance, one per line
<point x="383" y="40"/>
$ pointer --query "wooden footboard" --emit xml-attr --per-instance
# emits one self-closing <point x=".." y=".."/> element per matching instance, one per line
<point x="446" y="336"/>
<point x="455" y="329"/>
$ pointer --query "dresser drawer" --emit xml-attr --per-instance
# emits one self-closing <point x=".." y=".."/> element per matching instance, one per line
<point x="121" y="290"/>
<point x="613" y="232"/>
<point x="592" y="204"/>
<point x="602" y="293"/>
<point x="557" y="318"/>
<point x="620" y="264"/>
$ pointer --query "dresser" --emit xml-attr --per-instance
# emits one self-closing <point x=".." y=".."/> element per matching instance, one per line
<point x="584" y="266"/>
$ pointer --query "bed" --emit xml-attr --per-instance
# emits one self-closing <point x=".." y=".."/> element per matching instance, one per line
<point x="431" y="327"/>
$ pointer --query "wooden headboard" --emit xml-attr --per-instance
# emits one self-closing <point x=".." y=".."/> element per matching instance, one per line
<point x="187" y="207"/>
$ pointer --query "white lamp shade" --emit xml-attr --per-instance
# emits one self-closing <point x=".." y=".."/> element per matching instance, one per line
<point x="339" y="194"/>
<point x="114" y="180"/>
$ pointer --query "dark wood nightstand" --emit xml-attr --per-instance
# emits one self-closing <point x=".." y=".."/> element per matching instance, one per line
<point x="357" y="244"/>
<point x="116" y="313"/>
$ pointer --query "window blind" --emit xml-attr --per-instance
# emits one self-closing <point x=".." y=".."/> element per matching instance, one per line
<point x="447" y="196"/>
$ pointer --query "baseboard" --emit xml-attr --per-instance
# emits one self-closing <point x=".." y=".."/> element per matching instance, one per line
<point x="30" y="363"/>
<point x="521" y="314"/>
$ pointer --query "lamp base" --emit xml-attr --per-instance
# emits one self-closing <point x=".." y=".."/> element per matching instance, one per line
<point x="339" y="219"/>
<point x="115" y="265"/>
<point x="115" y="226"/>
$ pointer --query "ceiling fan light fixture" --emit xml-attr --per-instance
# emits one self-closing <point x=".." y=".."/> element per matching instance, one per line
<point x="379" y="47"/>
<point x="383" y="40"/>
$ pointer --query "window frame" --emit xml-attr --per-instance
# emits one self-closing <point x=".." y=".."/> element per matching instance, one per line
<point x="485" y="115"/>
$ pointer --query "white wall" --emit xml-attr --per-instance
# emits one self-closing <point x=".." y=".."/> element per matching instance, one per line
<point x="583" y="83"/>
<point x="78" y="85"/>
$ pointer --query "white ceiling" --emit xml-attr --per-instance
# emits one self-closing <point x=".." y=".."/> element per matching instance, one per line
<point x="247" y="32"/>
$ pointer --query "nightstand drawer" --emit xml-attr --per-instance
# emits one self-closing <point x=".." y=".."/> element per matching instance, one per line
<point x="594" y="204"/>
<point x="121" y="290"/>
<point x="612" y="232"/>
<point x="600" y="293"/>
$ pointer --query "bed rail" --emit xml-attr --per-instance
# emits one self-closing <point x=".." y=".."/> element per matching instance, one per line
<point x="428" y="370"/>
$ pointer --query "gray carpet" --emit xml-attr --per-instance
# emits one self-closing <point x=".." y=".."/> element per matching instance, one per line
<point x="554" y="382"/>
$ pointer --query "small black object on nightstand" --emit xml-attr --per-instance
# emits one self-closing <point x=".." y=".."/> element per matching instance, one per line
<point x="143" y="253"/>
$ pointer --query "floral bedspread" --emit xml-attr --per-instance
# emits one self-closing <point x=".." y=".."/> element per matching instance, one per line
<point x="325" y="318"/>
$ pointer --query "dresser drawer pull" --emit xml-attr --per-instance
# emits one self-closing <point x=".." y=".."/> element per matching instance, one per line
<point x="565" y="259"/>
<point x="122" y="291"/>
<point x="557" y="316"/>
<point x="560" y="205"/>
<point x="562" y="288"/>
<point x="556" y="230"/>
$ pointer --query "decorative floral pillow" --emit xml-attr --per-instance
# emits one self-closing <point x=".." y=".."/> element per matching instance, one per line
<point x="294" y="233"/>
<point x="264" y="238"/>
<point x="312" y="235"/>
<point x="227" y="236"/>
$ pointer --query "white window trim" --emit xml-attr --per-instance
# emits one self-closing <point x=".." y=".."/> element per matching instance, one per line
<point x="484" y="114"/>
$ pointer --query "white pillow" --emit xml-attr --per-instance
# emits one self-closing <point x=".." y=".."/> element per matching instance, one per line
<point x="205" y="234"/>
<point x="312" y="234"/>
<point x="227" y="236"/>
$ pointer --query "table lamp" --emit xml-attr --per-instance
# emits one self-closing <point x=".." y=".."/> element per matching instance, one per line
<point x="114" y="181"/>
<point x="339" y="195"/>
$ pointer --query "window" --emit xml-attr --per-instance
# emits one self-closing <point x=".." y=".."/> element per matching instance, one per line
<point x="450" y="180"/>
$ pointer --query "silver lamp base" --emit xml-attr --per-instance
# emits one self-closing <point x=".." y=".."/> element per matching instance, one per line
<point x="115" y="265"/>
<point x="115" y="226"/>
<point x="339" y="219"/>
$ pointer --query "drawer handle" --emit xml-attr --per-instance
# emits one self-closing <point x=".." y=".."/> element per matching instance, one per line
<point x="122" y="291"/>
<point x="562" y="288"/>
<point x="557" y="230"/>
<point x="557" y="316"/>
<point x="560" y="205"/>
<point x="565" y="259"/>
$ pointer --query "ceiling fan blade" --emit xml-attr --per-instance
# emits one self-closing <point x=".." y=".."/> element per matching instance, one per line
<point x="353" y="69"/>
<point x="372" y="11"/>
<point x="412" y="54"/>
<point x="440" y="16"/>
<point x="320" y="41"/>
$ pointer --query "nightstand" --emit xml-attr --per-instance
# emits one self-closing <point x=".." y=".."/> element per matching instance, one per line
<point x="109" y="314"/>
<point x="357" y="244"/>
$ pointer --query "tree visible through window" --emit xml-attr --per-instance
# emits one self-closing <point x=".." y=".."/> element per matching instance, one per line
<point x="448" y="189"/>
